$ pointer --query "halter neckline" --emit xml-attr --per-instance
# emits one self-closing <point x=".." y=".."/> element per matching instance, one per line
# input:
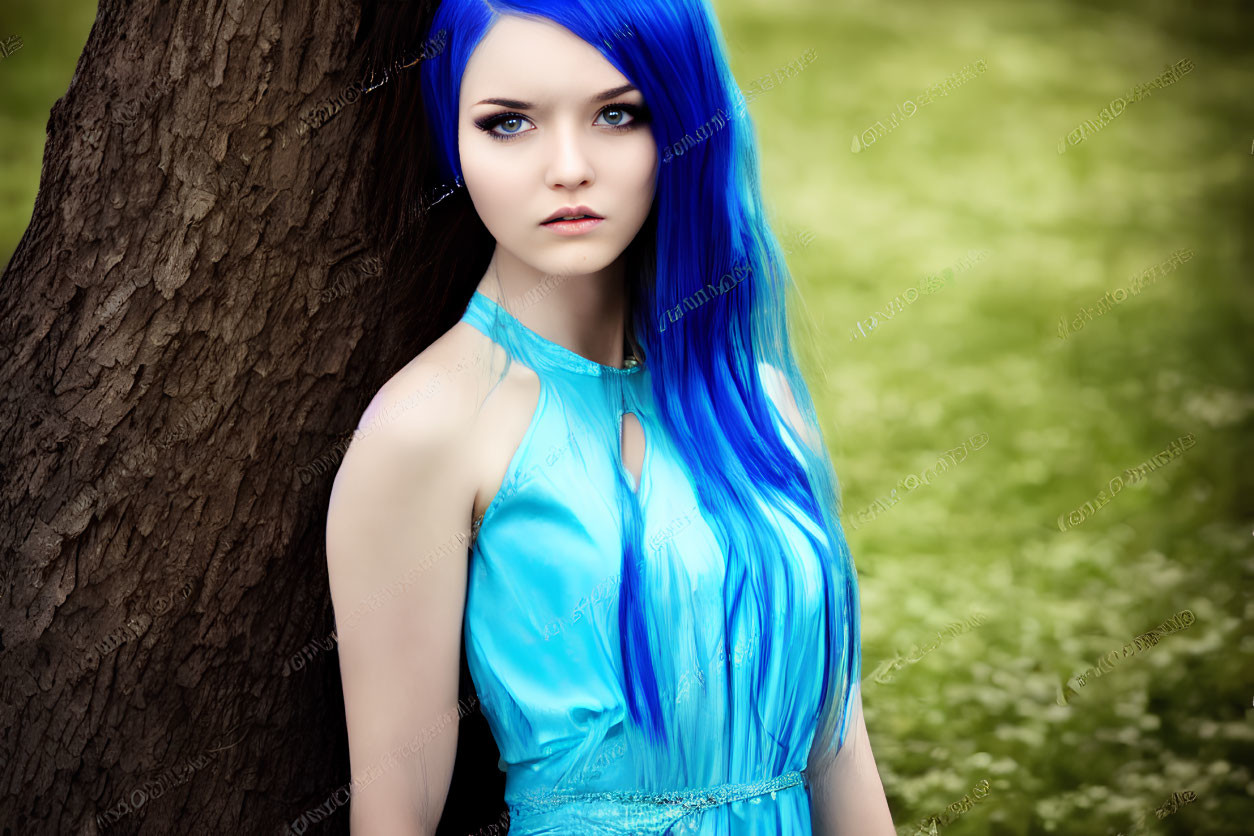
<point x="556" y="353"/>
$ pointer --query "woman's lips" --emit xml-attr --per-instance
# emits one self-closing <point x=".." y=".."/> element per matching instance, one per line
<point x="578" y="227"/>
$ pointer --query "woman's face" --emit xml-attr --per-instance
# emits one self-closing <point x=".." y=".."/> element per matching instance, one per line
<point x="558" y="142"/>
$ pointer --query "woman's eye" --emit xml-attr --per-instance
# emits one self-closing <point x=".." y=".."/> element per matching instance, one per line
<point x="616" y="116"/>
<point x="512" y="125"/>
<point x="511" y="121"/>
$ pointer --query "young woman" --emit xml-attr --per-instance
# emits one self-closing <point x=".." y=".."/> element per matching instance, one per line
<point x="659" y="608"/>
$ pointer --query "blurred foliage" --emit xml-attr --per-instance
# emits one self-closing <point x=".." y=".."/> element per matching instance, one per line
<point x="979" y="170"/>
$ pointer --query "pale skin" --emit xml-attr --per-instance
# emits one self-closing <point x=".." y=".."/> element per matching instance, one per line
<point x="429" y="465"/>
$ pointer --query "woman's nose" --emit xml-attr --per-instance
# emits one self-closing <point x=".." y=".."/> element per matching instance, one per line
<point x="569" y="163"/>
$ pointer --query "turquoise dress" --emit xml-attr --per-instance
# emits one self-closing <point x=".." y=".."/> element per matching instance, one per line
<point x="542" y="629"/>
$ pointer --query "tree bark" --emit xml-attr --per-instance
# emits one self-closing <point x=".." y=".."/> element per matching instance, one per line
<point x="191" y="320"/>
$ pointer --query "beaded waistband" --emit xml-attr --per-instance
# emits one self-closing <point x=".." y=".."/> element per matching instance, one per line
<point x="679" y="802"/>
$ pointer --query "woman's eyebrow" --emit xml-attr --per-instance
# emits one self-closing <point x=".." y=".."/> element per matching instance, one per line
<point x="518" y="104"/>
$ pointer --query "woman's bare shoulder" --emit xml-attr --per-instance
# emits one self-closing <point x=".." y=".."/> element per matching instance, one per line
<point x="433" y="397"/>
<point x="413" y="443"/>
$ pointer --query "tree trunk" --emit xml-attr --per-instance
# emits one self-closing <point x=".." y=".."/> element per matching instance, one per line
<point x="190" y="322"/>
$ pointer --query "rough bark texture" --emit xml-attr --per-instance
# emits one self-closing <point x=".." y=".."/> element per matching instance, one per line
<point x="189" y="323"/>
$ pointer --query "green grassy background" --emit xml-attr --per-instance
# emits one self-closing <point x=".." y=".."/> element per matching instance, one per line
<point x="53" y="33"/>
<point x="979" y="169"/>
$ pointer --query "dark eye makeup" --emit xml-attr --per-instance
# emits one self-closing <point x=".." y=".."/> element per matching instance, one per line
<point x="639" y="116"/>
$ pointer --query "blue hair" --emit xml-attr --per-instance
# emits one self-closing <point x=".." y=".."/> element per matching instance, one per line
<point x="708" y="309"/>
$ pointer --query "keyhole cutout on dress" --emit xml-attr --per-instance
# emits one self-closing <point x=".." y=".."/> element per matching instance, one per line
<point x="632" y="440"/>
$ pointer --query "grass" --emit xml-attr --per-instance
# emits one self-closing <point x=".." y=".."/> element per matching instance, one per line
<point x="979" y="169"/>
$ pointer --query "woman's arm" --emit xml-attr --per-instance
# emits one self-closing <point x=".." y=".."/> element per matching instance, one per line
<point x="397" y="534"/>
<point x="847" y="797"/>
<point x="780" y="392"/>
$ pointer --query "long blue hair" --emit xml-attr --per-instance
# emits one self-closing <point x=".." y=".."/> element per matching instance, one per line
<point x="708" y="309"/>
